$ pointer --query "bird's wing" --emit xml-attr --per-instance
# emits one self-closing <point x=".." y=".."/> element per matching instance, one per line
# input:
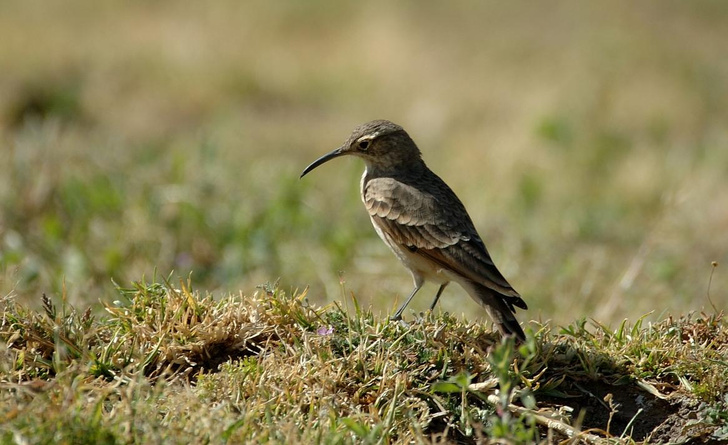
<point x="433" y="223"/>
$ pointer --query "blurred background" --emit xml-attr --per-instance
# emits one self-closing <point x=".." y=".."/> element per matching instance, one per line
<point x="588" y="141"/>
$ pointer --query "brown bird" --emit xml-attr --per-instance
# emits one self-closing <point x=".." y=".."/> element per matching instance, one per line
<point x="424" y="223"/>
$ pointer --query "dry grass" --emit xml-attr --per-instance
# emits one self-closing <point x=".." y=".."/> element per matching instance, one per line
<point x="167" y="365"/>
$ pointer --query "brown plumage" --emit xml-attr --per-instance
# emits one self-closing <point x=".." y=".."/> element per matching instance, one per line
<point x="424" y="223"/>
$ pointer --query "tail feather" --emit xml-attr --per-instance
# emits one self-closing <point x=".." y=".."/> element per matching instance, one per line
<point x="501" y="310"/>
<point x="510" y="326"/>
<point x="514" y="301"/>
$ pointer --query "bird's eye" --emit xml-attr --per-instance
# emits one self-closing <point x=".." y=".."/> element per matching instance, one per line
<point x="364" y="144"/>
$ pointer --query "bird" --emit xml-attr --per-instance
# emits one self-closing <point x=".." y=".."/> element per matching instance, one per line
<point x="424" y="223"/>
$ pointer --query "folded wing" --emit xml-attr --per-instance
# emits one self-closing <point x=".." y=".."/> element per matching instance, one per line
<point x="434" y="224"/>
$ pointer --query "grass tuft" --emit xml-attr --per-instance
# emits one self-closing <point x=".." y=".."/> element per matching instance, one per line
<point x="167" y="363"/>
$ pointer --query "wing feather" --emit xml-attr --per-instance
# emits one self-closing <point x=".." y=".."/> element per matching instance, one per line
<point x="435" y="225"/>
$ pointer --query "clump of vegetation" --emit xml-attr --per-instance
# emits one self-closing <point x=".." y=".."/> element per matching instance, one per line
<point x="591" y="157"/>
<point x="168" y="364"/>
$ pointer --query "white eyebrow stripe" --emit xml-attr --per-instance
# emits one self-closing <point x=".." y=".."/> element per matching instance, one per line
<point x="369" y="137"/>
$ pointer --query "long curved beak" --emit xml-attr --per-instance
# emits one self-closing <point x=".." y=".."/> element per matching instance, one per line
<point x="327" y="157"/>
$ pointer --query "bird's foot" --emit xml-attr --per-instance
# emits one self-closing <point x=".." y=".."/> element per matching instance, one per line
<point x="399" y="321"/>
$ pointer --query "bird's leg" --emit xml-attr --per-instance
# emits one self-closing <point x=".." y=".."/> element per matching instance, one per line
<point x="398" y="315"/>
<point x="437" y="297"/>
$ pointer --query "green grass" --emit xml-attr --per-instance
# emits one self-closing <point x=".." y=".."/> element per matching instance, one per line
<point x="165" y="364"/>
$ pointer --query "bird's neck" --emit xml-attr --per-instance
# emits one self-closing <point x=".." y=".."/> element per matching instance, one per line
<point x="415" y="167"/>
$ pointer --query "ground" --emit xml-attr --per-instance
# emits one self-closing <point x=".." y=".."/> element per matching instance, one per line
<point x="167" y="365"/>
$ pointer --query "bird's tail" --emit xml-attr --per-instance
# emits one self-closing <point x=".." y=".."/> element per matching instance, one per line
<point x="501" y="310"/>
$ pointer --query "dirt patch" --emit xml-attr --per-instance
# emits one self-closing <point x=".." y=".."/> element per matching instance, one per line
<point x="683" y="425"/>
<point x="633" y="412"/>
<point x="630" y="410"/>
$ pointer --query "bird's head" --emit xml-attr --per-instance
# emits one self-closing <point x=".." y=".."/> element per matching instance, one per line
<point x="383" y="145"/>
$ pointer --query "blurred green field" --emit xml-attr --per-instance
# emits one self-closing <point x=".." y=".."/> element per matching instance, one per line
<point x="589" y="143"/>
